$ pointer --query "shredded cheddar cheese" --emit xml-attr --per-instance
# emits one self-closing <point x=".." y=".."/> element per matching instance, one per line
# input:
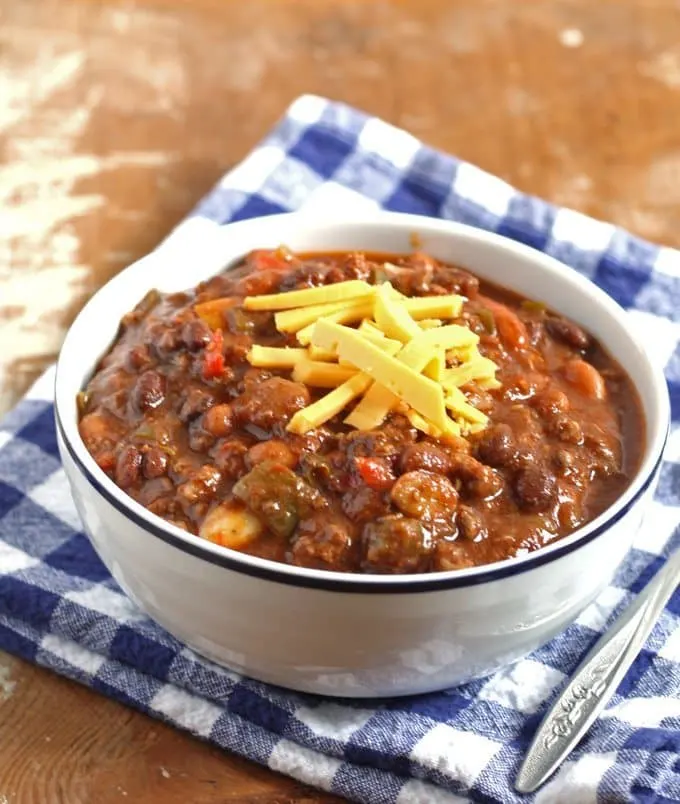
<point x="377" y="351"/>
<point x="342" y="291"/>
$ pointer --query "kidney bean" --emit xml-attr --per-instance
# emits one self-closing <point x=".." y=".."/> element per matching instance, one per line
<point x="195" y="335"/>
<point x="566" y="331"/>
<point x="154" y="463"/>
<point x="128" y="467"/>
<point x="496" y="445"/>
<point x="424" y="456"/>
<point x="535" y="488"/>
<point x="149" y="391"/>
<point x="481" y="481"/>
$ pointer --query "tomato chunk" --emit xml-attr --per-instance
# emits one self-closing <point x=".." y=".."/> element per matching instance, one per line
<point x="269" y="260"/>
<point x="375" y="472"/>
<point x="213" y="360"/>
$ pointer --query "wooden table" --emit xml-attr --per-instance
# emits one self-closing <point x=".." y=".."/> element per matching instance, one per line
<point x="115" y="118"/>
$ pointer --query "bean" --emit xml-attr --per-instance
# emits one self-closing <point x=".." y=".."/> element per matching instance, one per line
<point x="481" y="481"/>
<point x="564" y="462"/>
<point x="154" y="463"/>
<point x="424" y="456"/>
<point x="570" y="515"/>
<point x="470" y="524"/>
<point x="566" y="331"/>
<point x="218" y="420"/>
<point x="586" y="378"/>
<point x="128" y="467"/>
<point x="149" y="391"/>
<point x="496" y="445"/>
<point x="272" y="450"/>
<point x="535" y="488"/>
<point x="425" y="495"/>
<point x="195" y="334"/>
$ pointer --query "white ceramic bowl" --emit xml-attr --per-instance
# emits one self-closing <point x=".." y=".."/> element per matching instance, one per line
<point x="336" y="634"/>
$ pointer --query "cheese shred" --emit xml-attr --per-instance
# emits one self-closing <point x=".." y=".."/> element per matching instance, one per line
<point x="377" y="351"/>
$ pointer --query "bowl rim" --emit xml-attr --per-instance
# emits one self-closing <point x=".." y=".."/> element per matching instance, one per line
<point x="330" y="580"/>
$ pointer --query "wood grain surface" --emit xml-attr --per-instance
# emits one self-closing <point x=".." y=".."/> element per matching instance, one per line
<point x="115" y="118"/>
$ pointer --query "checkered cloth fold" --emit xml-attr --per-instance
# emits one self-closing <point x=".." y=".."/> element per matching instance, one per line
<point x="60" y="608"/>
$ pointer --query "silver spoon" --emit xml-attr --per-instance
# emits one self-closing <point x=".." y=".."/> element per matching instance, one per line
<point x="595" y="680"/>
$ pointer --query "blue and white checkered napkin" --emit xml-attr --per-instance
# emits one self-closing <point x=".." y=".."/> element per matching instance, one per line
<point x="60" y="608"/>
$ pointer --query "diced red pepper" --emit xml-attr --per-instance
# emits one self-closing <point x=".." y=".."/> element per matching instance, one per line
<point x="375" y="472"/>
<point x="213" y="360"/>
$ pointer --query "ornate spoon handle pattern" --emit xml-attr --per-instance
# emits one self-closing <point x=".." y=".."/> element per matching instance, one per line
<point x="595" y="680"/>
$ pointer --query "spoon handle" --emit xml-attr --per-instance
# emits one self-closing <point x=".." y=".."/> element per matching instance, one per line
<point x="595" y="680"/>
